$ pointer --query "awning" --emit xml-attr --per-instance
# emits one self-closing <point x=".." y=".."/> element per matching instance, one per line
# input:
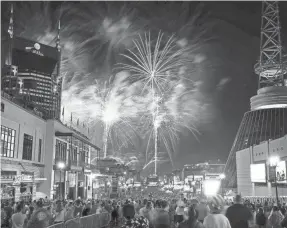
<point x="84" y="140"/>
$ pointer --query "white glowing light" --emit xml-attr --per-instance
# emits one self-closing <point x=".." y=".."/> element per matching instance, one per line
<point x="222" y="176"/>
<point x="211" y="187"/>
<point x="61" y="165"/>
<point x="274" y="160"/>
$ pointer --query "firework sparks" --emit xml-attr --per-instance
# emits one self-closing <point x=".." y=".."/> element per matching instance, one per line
<point x="98" y="35"/>
<point x="155" y="64"/>
<point x="111" y="104"/>
<point x="161" y="67"/>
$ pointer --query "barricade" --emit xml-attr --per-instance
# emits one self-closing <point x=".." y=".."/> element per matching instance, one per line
<point x="58" y="225"/>
<point x="91" y="221"/>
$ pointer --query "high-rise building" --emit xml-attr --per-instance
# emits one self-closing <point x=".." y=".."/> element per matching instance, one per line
<point x="31" y="73"/>
<point x="267" y="119"/>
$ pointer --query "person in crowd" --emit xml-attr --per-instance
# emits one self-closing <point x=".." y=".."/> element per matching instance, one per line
<point x="161" y="215"/>
<point x="284" y="222"/>
<point x="260" y="218"/>
<point x="216" y="219"/>
<point x="69" y="211"/>
<point x="239" y="215"/>
<point x="3" y="217"/>
<point x="275" y="218"/>
<point x="87" y="209"/>
<point x="18" y="219"/>
<point x="59" y="212"/>
<point x="115" y="214"/>
<point x="8" y="211"/>
<point x="40" y="219"/>
<point x="190" y="219"/>
<point x="131" y="221"/>
<point x="179" y="212"/>
<point x="145" y="211"/>
<point x="78" y="208"/>
<point x="203" y="210"/>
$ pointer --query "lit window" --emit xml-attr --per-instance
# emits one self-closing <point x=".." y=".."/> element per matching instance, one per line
<point x="7" y="142"/>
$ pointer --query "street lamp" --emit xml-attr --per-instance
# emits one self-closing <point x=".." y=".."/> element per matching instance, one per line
<point x="273" y="163"/>
<point x="61" y="166"/>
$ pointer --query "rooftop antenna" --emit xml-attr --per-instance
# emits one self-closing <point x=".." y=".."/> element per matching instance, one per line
<point x="271" y="67"/>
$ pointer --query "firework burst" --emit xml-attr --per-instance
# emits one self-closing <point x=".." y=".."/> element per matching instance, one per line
<point x="161" y="67"/>
<point x="112" y="105"/>
<point x="98" y="31"/>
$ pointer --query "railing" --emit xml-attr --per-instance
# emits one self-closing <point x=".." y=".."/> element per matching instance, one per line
<point x="91" y="221"/>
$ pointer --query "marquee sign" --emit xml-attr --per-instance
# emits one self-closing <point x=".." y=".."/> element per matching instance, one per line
<point x="22" y="178"/>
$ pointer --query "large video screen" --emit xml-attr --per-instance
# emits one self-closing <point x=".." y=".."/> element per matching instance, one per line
<point x="281" y="172"/>
<point x="258" y="173"/>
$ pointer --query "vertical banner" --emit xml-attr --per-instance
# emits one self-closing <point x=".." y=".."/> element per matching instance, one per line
<point x="34" y="192"/>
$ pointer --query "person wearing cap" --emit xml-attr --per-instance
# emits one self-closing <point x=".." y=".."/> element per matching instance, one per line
<point x="215" y="219"/>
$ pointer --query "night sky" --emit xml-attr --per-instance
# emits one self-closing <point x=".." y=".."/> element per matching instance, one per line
<point x="228" y="78"/>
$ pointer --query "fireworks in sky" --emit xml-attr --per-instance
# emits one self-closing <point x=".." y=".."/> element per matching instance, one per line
<point x="153" y="95"/>
<point x="161" y="65"/>
<point x="112" y="104"/>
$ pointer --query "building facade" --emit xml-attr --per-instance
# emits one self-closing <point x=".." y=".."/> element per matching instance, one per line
<point x="31" y="149"/>
<point x="31" y="73"/>
<point x="254" y="173"/>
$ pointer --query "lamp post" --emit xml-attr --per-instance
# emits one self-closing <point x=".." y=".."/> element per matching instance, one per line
<point x="273" y="163"/>
<point x="222" y="177"/>
<point x="61" y="166"/>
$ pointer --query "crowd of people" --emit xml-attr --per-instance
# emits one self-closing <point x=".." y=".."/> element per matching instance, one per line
<point x="151" y="211"/>
<point x="205" y="212"/>
<point x="43" y="213"/>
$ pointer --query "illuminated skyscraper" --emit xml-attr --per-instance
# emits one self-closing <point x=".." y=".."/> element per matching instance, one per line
<point x="31" y="73"/>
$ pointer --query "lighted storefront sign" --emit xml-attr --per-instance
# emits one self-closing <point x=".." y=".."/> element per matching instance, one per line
<point x="258" y="173"/>
<point x="281" y="172"/>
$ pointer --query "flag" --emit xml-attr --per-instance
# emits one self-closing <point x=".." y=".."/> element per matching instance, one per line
<point x="11" y="23"/>
<point x="78" y="122"/>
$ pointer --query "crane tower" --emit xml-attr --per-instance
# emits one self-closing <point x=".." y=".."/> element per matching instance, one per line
<point x="267" y="119"/>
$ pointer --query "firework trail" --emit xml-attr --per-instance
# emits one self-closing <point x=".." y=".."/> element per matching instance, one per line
<point x="161" y="67"/>
<point x="111" y="105"/>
